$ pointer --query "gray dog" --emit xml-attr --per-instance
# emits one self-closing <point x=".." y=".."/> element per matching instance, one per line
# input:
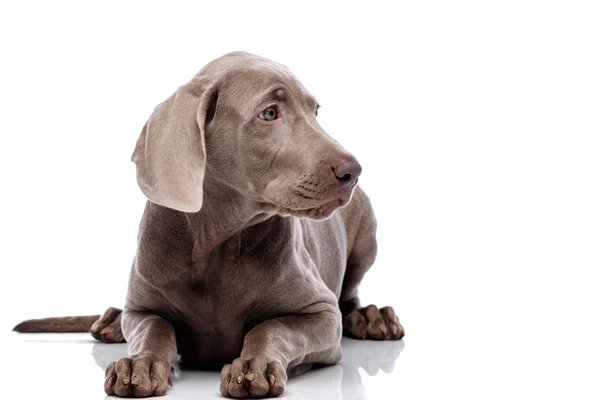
<point x="252" y="246"/>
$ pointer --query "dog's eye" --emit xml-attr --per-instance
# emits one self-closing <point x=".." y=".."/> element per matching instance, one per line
<point x="317" y="110"/>
<point x="268" y="114"/>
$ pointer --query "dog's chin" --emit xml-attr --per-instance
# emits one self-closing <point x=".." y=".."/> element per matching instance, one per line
<point x="324" y="210"/>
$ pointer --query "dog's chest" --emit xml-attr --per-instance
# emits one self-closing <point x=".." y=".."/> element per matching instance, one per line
<point x="220" y="309"/>
<point x="235" y="291"/>
<point x="246" y="282"/>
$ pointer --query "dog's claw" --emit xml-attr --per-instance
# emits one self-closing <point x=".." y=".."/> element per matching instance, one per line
<point x="383" y="330"/>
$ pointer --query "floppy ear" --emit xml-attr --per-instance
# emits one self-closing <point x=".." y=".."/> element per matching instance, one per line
<point x="170" y="154"/>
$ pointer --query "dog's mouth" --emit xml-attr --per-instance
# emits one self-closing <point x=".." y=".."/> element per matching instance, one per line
<point x="326" y="209"/>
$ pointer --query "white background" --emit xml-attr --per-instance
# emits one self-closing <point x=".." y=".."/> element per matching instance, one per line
<point x="476" y="122"/>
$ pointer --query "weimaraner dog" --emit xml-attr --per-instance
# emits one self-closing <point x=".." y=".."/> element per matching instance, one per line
<point x="253" y="242"/>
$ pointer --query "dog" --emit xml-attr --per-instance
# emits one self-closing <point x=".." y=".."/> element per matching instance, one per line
<point x="253" y="242"/>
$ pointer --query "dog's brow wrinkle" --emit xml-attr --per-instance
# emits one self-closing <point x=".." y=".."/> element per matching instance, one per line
<point x="280" y="94"/>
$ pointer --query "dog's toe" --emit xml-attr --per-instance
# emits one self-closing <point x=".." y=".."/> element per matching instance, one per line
<point x="277" y="378"/>
<point x="355" y="325"/>
<point x="396" y="330"/>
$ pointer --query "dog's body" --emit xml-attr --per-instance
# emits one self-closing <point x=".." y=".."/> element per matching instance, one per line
<point x="277" y="267"/>
<point x="244" y="254"/>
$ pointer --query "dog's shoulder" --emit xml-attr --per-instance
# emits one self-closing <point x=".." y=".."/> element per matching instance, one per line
<point x="357" y="208"/>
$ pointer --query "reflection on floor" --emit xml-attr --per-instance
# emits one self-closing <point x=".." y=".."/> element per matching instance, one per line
<point x="337" y="382"/>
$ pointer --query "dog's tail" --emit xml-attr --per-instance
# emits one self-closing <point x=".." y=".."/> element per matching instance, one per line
<point x="106" y="327"/>
<point x="58" y="324"/>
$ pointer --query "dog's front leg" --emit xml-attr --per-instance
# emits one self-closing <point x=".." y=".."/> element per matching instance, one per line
<point x="152" y="352"/>
<point x="276" y="346"/>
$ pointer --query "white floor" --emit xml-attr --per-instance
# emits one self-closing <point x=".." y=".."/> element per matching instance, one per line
<point x="71" y="366"/>
<point x="445" y="354"/>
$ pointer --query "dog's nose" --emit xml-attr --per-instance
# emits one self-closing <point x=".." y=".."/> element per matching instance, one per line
<point x="347" y="172"/>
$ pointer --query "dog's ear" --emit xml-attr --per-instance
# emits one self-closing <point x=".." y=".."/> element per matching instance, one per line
<point x="170" y="154"/>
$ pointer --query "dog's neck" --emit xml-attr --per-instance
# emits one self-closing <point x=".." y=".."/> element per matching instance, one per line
<point x="225" y="213"/>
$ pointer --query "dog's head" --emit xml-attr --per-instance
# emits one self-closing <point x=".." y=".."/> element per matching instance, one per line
<point x="249" y="123"/>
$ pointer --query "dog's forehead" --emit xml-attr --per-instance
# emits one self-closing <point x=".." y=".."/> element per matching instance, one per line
<point x="248" y="73"/>
<point x="241" y="61"/>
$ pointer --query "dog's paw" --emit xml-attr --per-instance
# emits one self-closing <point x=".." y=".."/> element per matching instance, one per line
<point x="373" y="323"/>
<point x="254" y="377"/>
<point x="137" y="377"/>
<point x="107" y="328"/>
